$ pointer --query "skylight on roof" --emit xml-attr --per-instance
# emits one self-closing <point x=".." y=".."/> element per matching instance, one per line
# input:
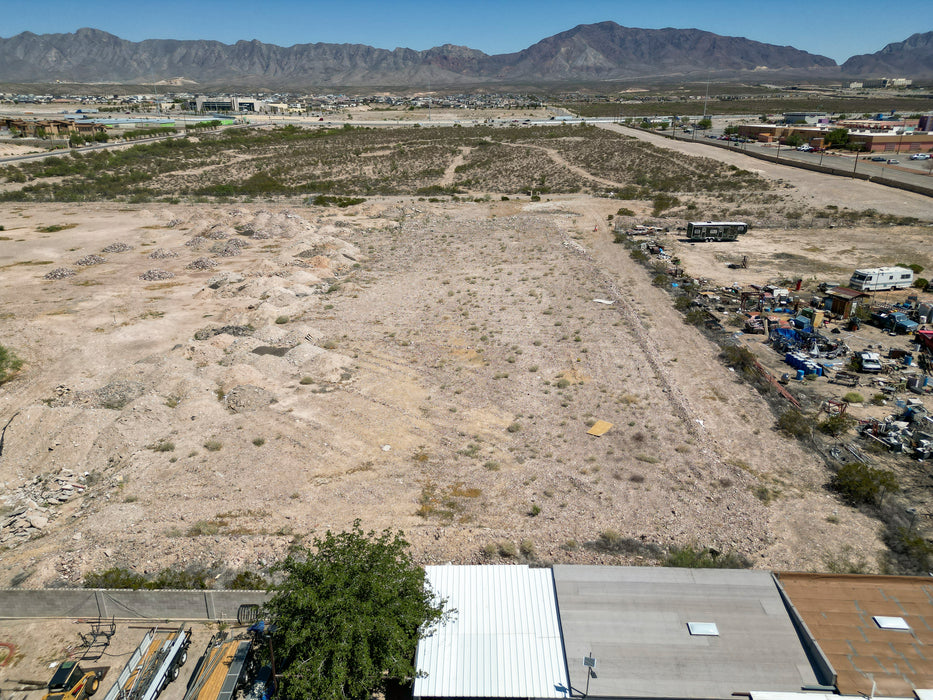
<point x="703" y="629"/>
<point x="891" y="623"/>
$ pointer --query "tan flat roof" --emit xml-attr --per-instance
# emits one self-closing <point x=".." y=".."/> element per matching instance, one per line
<point x="839" y="611"/>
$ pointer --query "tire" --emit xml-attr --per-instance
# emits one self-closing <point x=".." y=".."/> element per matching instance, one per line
<point x="182" y="657"/>
<point x="92" y="687"/>
<point x="172" y="674"/>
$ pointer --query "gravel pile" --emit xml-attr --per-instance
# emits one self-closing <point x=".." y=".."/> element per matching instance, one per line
<point x="236" y="331"/>
<point x="201" y="264"/>
<point x="313" y="252"/>
<point x="118" y="394"/>
<point x="216" y="234"/>
<point x="117" y="248"/>
<point x="90" y="260"/>
<point x="253" y="232"/>
<point x="228" y="248"/>
<point x="195" y="242"/>
<point x="162" y="253"/>
<point x="245" y="398"/>
<point x="154" y="275"/>
<point x="59" y="273"/>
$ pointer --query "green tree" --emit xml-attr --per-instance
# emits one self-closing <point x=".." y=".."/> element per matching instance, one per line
<point x="348" y="615"/>
<point x="793" y="140"/>
<point x="705" y="123"/>
<point x="858" y="483"/>
<point x="837" y="138"/>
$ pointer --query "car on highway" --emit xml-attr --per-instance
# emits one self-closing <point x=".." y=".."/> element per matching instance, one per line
<point x="920" y="156"/>
<point x="893" y="161"/>
<point x="877" y="159"/>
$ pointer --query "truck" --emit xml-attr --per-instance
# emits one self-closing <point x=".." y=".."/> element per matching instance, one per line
<point x="715" y="230"/>
<point x="894" y="322"/>
<point x="881" y="279"/>
<point x="72" y="682"/>
<point x="153" y="665"/>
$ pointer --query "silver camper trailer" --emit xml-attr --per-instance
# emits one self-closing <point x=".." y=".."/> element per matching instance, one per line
<point x="715" y="230"/>
<point x="881" y="279"/>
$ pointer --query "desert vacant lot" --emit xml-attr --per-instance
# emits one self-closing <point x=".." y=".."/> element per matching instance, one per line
<point x="217" y="368"/>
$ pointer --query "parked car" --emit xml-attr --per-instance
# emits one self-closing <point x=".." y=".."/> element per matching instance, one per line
<point x="920" y="156"/>
<point x="805" y="148"/>
<point x="877" y="159"/>
<point x="893" y="161"/>
<point x="869" y="362"/>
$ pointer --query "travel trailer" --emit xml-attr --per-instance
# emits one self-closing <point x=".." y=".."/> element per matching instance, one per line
<point x="715" y="230"/>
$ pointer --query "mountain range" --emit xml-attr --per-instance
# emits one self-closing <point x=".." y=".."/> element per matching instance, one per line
<point x="589" y="52"/>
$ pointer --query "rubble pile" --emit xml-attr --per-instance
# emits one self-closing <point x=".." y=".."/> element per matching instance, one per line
<point x="114" y="395"/>
<point x="228" y="248"/>
<point x="35" y="505"/>
<point x="90" y="260"/>
<point x="162" y="253"/>
<point x="216" y="233"/>
<point x="155" y="275"/>
<point x="201" y="264"/>
<point x="117" y="247"/>
<point x="59" y="273"/>
<point x="195" y="242"/>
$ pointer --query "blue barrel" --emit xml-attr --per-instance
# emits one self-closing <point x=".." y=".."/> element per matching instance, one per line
<point x="800" y="375"/>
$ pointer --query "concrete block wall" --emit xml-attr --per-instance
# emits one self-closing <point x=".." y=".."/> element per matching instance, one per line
<point x="125" y="604"/>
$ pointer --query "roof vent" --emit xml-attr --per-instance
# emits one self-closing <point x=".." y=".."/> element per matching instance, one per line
<point x="891" y="623"/>
<point x="703" y="629"/>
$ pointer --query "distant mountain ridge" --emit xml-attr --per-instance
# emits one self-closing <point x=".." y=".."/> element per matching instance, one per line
<point x="904" y="59"/>
<point x="588" y="52"/>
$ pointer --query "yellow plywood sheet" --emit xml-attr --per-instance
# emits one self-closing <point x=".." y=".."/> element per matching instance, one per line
<point x="218" y="669"/>
<point x="600" y="427"/>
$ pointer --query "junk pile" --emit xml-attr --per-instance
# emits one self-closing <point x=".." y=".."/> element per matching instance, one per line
<point x="909" y="432"/>
<point x="807" y="350"/>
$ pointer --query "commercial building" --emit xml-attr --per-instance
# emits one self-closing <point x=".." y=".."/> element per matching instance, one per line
<point x="678" y="633"/>
<point x="876" y="632"/>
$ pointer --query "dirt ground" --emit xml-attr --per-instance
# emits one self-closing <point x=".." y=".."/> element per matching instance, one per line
<point x="210" y="385"/>
<point x="9" y="150"/>
<point x="37" y="647"/>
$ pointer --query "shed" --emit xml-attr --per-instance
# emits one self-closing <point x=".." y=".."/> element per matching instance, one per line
<point x="504" y="640"/>
<point x="844" y="300"/>
<point x="658" y="632"/>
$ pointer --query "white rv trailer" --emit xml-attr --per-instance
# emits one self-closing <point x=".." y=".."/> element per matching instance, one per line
<point x="881" y="279"/>
<point x="715" y="230"/>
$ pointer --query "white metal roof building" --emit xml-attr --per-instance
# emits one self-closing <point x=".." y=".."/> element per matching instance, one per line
<point x="659" y="632"/>
<point x="504" y="640"/>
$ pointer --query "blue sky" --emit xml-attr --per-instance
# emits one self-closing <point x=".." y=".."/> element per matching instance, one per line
<point x="834" y="28"/>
